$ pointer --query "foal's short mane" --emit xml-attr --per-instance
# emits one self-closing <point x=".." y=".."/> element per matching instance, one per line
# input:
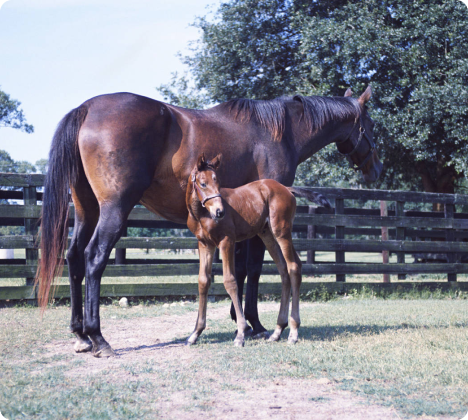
<point x="317" y="111"/>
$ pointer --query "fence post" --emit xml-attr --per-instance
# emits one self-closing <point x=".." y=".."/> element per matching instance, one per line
<point x="384" y="213"/>
<point x="400" y="235"/>
<point x="30" y="228"/>
<point x="311" y="234"/>
<point x="449" y="210"/>
<point x="339" y="234"/>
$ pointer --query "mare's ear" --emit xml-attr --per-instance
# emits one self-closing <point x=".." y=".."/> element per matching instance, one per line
<point x="348" y="92"/>
<point x="201" y="163"/>
<point x="216" y="161"/>
<point x="364" y="98"/>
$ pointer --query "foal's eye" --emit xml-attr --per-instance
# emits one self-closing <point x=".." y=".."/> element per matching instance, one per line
<point x="203" y="185"/>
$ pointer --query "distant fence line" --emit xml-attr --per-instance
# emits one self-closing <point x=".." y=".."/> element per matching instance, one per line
<point x="433" y="236"/>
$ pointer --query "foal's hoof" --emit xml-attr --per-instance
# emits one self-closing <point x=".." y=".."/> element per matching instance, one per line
<point x="292" y="341"/>
<point x="104" y="352"/>
<point x="190" y="342"/>
<point x="82" y="346"/>
<point x="274" y="337"/>
<point x="247" y="332"/>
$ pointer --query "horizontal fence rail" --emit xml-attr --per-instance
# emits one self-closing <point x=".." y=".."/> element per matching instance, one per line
<point x="436" y="241"/>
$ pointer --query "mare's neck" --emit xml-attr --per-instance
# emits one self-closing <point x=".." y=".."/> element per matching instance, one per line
<point x="307" y="144"/>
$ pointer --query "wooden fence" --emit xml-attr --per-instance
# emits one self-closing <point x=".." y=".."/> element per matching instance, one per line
<point x="439" y="237"/>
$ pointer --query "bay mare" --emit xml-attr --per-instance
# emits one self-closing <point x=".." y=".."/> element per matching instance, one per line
<point x="115" y="151"/>
<point x="221" y="217"/>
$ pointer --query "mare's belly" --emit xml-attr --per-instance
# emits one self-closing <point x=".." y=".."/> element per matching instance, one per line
<point x="167" y="201"/>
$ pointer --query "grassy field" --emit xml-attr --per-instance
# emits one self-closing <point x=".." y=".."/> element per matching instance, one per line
<point x="410" y="356"/>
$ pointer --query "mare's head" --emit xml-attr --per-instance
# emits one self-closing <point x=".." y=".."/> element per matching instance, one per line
<point x="358" y="146"/>
<point x="206" y="185"/>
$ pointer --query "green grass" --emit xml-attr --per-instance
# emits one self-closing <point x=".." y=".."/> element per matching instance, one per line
<point x="408" y="354"/>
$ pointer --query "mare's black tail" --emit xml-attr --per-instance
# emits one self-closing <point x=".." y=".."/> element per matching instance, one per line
<point x="64" y="167"/>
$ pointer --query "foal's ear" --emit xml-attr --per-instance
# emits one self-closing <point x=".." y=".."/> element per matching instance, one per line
<point x="216" y="162"/>
<point x="201" y="163"/>
<point x="364" y="98"/>
<point x="348" y="92"/>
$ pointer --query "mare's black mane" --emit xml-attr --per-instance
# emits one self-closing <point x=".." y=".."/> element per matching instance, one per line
<point x="317" y="111"/>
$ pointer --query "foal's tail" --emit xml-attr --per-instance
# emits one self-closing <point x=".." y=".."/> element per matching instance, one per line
<point x="310" y="195"/>
<point x="64" y="167"/>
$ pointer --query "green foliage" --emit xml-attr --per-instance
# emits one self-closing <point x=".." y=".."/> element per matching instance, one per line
<point x="7" y="164"/>
<point x="187" y="96"/>
<point x="42" y="165"/>
<point x="11" y="115"/>
<point x="412" y="53"/>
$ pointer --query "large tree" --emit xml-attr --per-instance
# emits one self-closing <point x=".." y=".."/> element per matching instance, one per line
<point x="412" y="52"/>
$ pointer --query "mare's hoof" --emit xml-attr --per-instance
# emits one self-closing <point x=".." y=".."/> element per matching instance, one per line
<point x="261" y="336"/>
<point x="238" y="343"/>
<point x="274" y="337"/>
<point x="82" y="346"/>
<point x="190" y="343"/>
<point x="292" y="341"/>
<point x="104" y="352"/>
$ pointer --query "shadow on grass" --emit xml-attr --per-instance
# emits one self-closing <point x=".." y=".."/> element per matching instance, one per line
<point x="323" y="334"/>
<point x="329" y="333"/>
<point x="156" y="346"/>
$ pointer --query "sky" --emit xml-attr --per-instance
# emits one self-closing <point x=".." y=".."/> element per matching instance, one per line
<point x="56" y="54"/>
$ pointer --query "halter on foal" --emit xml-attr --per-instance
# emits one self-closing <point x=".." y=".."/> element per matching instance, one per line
<point x="219" y="218"/>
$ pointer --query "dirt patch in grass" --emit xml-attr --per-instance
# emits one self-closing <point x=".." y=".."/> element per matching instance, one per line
<point x="159" y="344"/>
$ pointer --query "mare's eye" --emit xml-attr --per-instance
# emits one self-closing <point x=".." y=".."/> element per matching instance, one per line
<point x="203" y="185"/>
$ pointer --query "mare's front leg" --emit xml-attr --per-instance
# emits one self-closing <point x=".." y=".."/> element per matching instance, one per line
<point x="227" y="247"/>
<point x="255" y="256"/>
<point x="249" y="261"/>
<point x="206" y="254"/>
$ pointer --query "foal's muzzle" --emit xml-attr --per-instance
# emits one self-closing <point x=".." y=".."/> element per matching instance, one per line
<point x="219" y="214"/>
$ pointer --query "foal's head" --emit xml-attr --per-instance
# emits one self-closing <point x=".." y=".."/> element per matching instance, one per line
<point x="206" y="185"/>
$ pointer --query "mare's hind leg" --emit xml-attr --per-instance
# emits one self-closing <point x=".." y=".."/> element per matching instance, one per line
<point x="276" y="254"/>
<point x="86" y="216"/>
<point x="112" y="218"/>
<point x="206" y="254"/>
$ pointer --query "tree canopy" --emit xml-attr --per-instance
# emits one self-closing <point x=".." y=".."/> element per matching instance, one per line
<point x="412" y="52"/>
<point x="11" y="115"/>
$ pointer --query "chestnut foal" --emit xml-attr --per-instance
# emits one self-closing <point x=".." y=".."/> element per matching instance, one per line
<point x="220" y="218"/>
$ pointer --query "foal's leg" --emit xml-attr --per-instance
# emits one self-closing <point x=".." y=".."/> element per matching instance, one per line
<point x="276" y="254"/>
<point x="86" y="216"/>
<point x="227" y="247"/>
<point x="241" y="253"/>
<point x="206" y="254"/>
<point x="295" y="274"/>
